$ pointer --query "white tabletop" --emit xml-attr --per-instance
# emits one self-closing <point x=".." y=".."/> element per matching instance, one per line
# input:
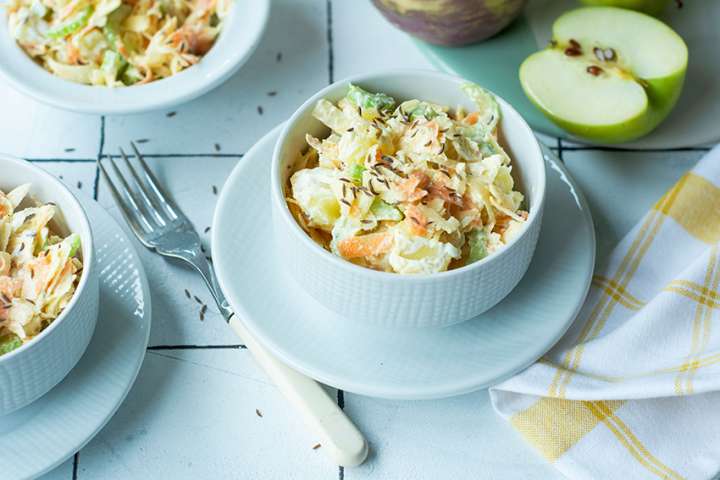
<point x="200" y="407"/>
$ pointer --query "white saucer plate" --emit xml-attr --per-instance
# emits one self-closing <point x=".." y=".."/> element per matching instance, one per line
<point x="399" y="363"/>
<point x="39" y="437"/>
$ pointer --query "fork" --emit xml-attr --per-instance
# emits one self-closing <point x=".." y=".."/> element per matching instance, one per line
<point x="161" y="226"/>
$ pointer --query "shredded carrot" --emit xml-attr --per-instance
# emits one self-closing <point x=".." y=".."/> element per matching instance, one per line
<point x="148" y="77"/>
<point x="472" y="118"/>
<point x="417" y="220"/>
<point x="413" y="188"/>
<point x="176" y="38"/>
<point x="206" y="5"/>
<point x="441" y="191"/>
<point x="502" y="222"/>
<point x="366" y="245"/>
<point x="73" y="54"/>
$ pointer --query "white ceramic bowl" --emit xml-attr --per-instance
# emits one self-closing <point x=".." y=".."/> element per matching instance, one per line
<point x="237" y="41"/>
<point x="391" y="299"/>
<point x="32" y="370"/>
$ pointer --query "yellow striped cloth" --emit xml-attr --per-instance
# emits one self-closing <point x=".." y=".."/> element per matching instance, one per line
<point x="633" y="389"/>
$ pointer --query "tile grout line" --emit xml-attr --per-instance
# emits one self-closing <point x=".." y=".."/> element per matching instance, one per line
<point x="150" y="155"/>
<point x="599" y="148"/>
<point x="331" y="56"/>
<point x="331" y="80"/>
<point x="96" y="182"/>
<point x="76" y="457"/>
<point x="183" y="155"/>
<point x="238" y="346"/>
<point x="560" y="149"/>
<point x="341" y="404"/>
<point x="566" y="148"/>
<point x="341" y="398"/>
<point x="76" y="460"/>
<point x="60" y="160"/>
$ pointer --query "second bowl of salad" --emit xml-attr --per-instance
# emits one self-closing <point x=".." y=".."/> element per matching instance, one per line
<point x="48" y="283"/>
<point x="120" y="57"/>
<point x="407" y="198"/>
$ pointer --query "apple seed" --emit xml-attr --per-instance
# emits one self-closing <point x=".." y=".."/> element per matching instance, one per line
<point x="604" y="55"/>
<point x="572" y="52"/>
<point x="574" y="43"/>
<point x="594" y="70"/>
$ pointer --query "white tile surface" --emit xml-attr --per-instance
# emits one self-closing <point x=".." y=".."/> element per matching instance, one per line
<point x="33" y="130"/>
<point x="454" y="438"/>
<point x="78" y="176"/>
<point x="191" y="413"/>
<point x="363" y="41"/>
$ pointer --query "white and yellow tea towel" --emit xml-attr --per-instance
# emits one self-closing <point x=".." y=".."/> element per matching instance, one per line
<point x="633" y="389"/>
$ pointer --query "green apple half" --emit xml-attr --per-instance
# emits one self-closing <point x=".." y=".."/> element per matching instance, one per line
<point x="652" y="7"/>
<point x="609" y="75"/>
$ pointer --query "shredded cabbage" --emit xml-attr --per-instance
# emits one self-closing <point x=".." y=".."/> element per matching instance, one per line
<point x="39" y="270"/>
<point x="408" y="188"/>
<point x="114" y="42"/>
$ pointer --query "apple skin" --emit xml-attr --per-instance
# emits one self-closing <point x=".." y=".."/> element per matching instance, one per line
<point x="662" y="93"/>
<point x="651" y="7"/>
<point x="450" y="22"/>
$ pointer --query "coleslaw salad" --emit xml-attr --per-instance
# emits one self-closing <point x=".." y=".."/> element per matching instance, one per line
<point x="409" y="187"/>
<point x="116" y="43"/>
<point x="39" y="269"/>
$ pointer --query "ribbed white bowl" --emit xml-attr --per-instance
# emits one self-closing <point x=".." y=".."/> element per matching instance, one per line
<point x="366" y="295"/>
<point x="33" y="369"/>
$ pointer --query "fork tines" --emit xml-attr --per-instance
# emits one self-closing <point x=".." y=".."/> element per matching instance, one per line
<point x="141" y="197"/>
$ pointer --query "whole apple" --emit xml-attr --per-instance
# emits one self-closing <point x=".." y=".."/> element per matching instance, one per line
<point x="450" y="22"/>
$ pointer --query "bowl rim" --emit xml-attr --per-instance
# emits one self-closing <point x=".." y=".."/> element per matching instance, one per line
<point x="280" y="206"/>
<point x="29" y="78"/>
<point x="88" y="256"/>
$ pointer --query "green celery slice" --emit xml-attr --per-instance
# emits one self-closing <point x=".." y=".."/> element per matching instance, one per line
<point x="111" y="30"/>
<point x="476" y="241"/>
<point x="370" y="101"/>
<point x="9" y="342"/>
<point x="73" y="25"/>
<point x="384" y="211"/>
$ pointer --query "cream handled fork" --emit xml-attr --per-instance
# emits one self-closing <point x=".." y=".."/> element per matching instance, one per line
<point x="161" y="226"/>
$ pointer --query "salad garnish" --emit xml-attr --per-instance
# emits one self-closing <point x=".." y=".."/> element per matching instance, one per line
<point x="411" y="187"/>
